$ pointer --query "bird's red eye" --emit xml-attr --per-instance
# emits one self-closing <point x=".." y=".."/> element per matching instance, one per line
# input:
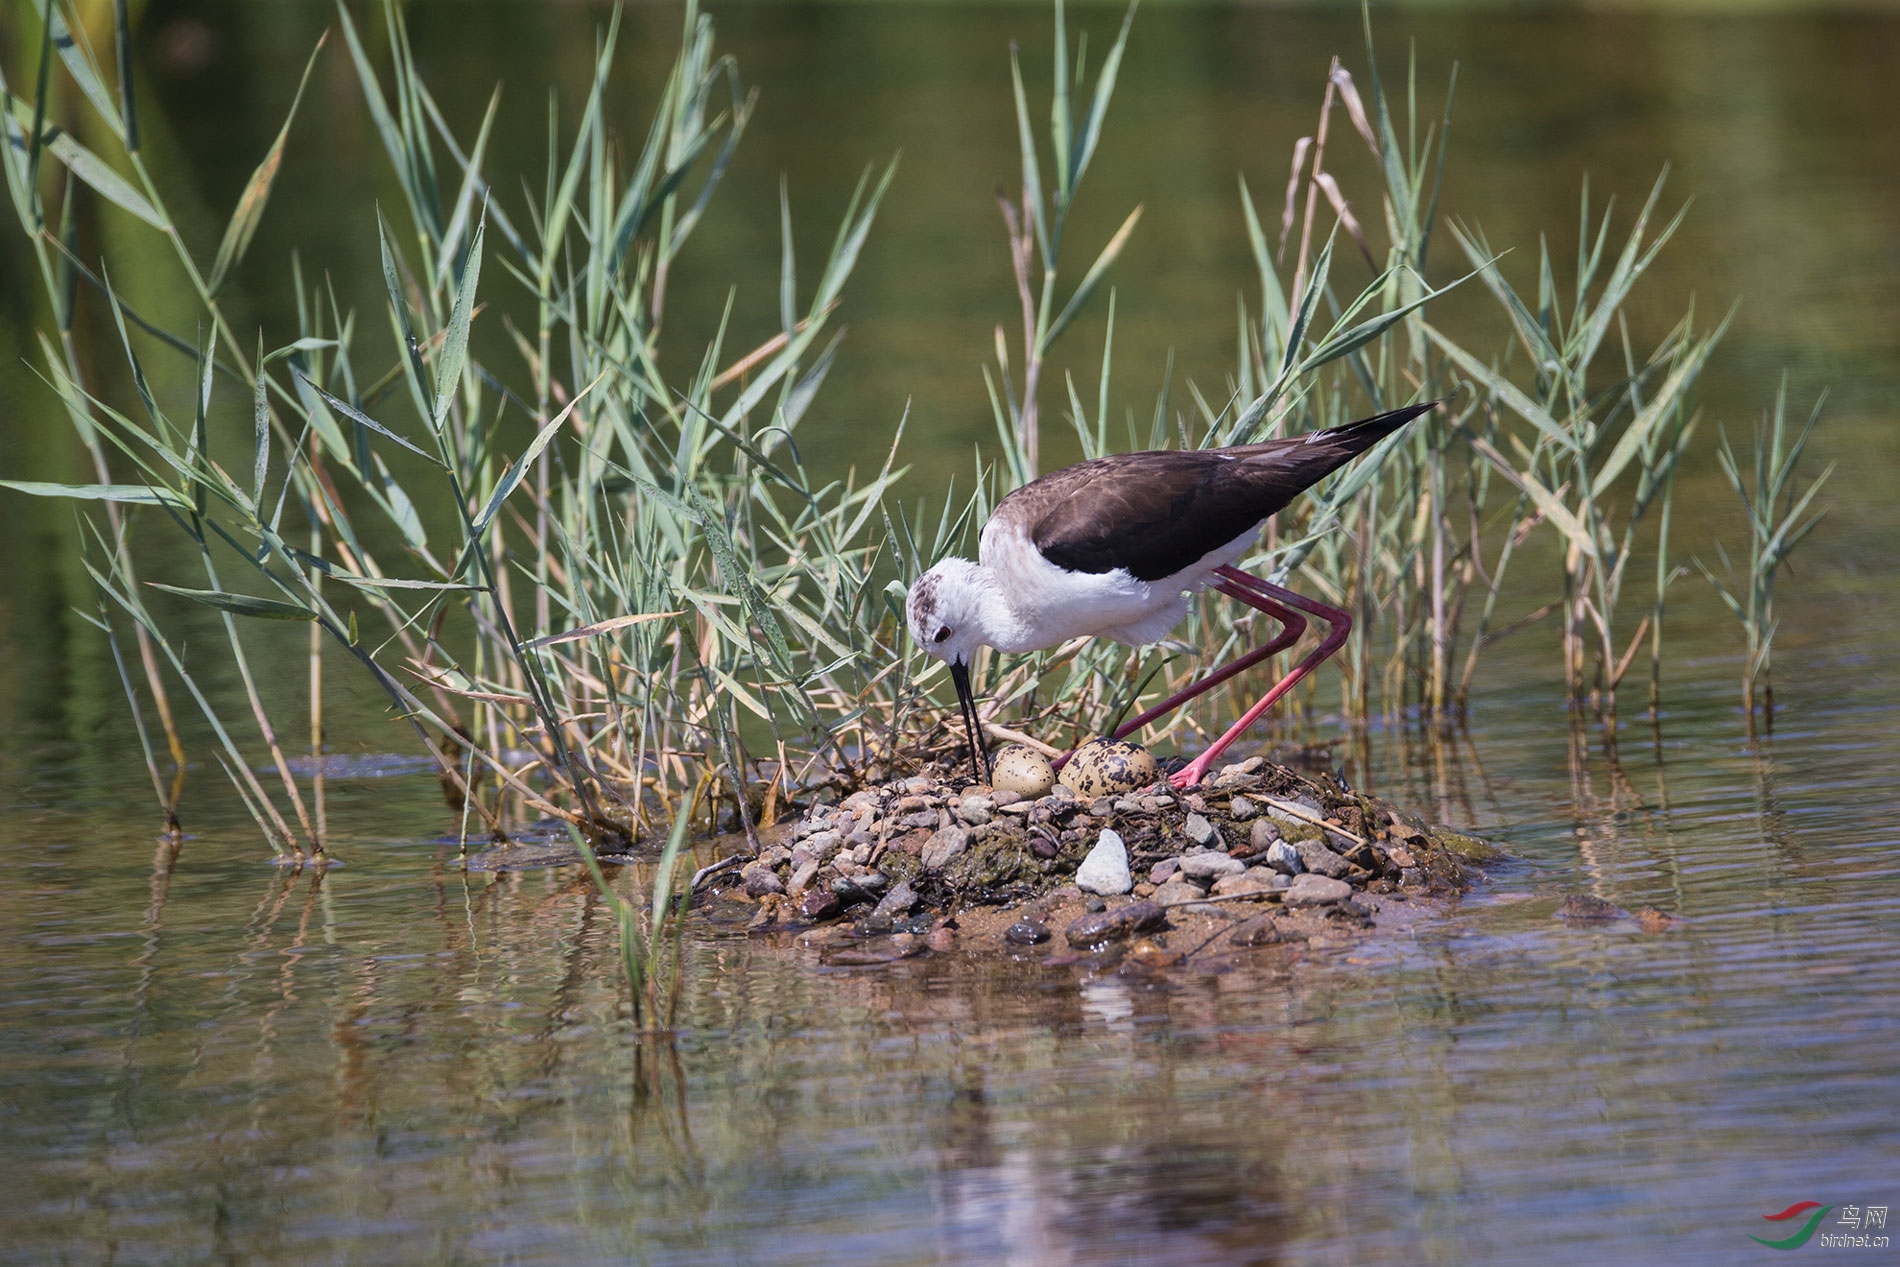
<point x="942" y="633"/>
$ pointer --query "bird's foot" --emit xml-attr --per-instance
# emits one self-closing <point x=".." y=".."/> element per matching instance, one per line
<point x="1189" y="775"/>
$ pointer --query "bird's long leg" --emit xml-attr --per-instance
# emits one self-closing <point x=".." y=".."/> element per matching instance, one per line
<point x="1340" y="623"/>
<point x="1293" y="625"/>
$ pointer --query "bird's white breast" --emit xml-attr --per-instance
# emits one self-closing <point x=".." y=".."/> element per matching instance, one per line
<point x="1057" y="604"/>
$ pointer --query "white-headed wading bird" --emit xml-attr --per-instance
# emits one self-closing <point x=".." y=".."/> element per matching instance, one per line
<point x="1115" y="547"/>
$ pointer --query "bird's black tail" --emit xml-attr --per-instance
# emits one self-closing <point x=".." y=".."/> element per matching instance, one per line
<point x="1283" y="469"/>
<point x="1356" y="437"/>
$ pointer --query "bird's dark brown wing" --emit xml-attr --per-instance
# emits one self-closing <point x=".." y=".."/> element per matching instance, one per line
<point x="1159" y="512"/>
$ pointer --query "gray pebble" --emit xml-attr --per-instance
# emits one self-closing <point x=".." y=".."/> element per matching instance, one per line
<point x="1159" y="873"/>
<point x="1201" y="832"/>
<point x="1252" y="880"/>
<point x="1263" y="833"/>
<point x="1284" y="858"/>
<point x="1208" y="867"/>
<point x="760" y="881"/>
<point x="1317" y="890"/>
<point x="1178" y="891"/>
<point x="1027" y="932"/>
<point x="1318" y="858"/>
<point x="897" y="903"/>
<point x="1242" y="809"/>
<point x="974" y="810"/>
<point x="802" y="876"/>
<point x="1105" y="870"/>
<point x="944" y="846"/>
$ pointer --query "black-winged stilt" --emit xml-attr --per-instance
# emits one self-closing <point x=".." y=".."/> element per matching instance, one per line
<point x="1115" y="548"/>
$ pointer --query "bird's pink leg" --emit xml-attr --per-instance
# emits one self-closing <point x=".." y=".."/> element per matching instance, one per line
<point x="1340" y="623"/>
<point x="1294" y="625"/>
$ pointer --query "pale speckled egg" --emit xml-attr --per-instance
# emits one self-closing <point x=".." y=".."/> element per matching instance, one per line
<point x="1021" y="769"/>
<point x="1107" y="767"/>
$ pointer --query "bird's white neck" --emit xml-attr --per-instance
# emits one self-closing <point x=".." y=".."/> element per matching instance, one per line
<point x="998" y="623"/>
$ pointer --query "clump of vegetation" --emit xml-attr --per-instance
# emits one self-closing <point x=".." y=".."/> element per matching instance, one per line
<point x="645" y="603"/>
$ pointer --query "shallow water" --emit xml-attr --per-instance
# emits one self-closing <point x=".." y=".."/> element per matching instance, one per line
<point x="401" y="1062"/>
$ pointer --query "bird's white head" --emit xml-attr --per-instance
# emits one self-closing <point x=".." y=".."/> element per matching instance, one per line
<point x="945" y="610"/>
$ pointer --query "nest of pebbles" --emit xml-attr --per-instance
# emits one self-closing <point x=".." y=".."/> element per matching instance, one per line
<point x="910" y="855"/>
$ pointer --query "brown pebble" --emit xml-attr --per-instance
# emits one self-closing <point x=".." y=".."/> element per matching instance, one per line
<point x="1113" y="925"/>
<point x="1583" y="907"/>
<point x="819" y="904"/>
<point x="942" y="940"/>
<point x="1651" y="920"/>
<point x="1260" y="931"/>
<point x="1147" y="953"/>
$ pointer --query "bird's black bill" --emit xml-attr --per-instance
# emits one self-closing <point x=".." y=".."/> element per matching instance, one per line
<point x="979" y="759"/>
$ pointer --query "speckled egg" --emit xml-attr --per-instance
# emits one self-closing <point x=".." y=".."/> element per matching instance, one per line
<point x="1108" y="767"/>
<point x="1021" y="769"/>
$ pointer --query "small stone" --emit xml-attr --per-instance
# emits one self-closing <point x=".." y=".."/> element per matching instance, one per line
<point x="1582" y="908"/>
<point x="974" y="810"/>
<point x="1148" y="953"/>
<point x="1003" y="798"/>
<point x="944" y="846"/>
<point x="1246" y="882"/>
<point x="819" y="904"/>
<point x="1400" y="856"/>
<point x="865" y="799"/>
<point x="802" y="855"/>
<point x="1201" y="832"/>
<point x="942" y="940"/>
<point x="1102" y="807"/>
<point x="917" y="785"/>
<point x="1317" y="890"/>
<point x="1651" y="920"/>
<point x="761" y="881"/>
<point x="1260" y="931"/>
<point x="1045" y="848"/>
<point x="803" y="875"/>
<point x="1241" y="809"/>
<point x="1114" y="925"/>
<point x="1094" y="903"/>
<point x="1027" y="932"/>
<point x="1208" y="867"/>
<point x="1318" y="858"/>
<point x="1127" y="805"/>
<point x="824" y="843"/>
<point x="896" y="904"/>
<point x="1105" y="870"/>
<point x="1178" y="891"/>
<point x="1143" y="889"/>
<point x="1284" y="858"/>
<point x="1263" y="833"/>
<point x="1160" y="872"/>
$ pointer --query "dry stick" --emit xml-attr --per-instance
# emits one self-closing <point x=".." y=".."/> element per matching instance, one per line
<point x="1295" y="295"/>
<point x="1021" y="243"/>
